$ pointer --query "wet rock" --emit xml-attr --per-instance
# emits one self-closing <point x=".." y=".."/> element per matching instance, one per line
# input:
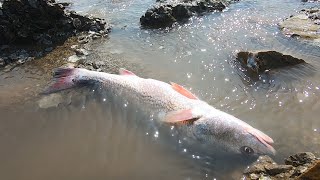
<point x="52" y="100"/>
<point x="313" y="173"/>
<point x="258" y="62"/>
<point x="300" y="159"/>
<point x="165" y="14"/>
<point x="299" y="165"/>
<point x="305" y="24"/>
<point x="42" y="21"/>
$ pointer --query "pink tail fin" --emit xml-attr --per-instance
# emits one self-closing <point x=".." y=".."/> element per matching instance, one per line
<point x="63" y="78"/>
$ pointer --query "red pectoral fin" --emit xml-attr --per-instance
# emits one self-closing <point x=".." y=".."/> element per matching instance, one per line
<point x="123" y="71"/>
<point x="183" y="91"/>
<point x="181" y="116"/>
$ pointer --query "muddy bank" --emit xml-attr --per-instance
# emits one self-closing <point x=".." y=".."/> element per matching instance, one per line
<point x="167" y="13"/>
<point x="299" y="166"/>
<point x="305" y="24"/>
<point x="43" y="23"/>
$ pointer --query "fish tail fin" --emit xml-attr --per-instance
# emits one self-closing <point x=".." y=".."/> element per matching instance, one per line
<point x="63" y="78"/>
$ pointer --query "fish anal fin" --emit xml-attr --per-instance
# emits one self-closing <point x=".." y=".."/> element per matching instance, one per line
<point x="181" y="117"/>
<point x="183" y="91"/>
<point x="123" y="71"/>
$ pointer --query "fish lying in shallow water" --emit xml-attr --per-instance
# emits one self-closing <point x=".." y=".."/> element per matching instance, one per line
<point x="173" y="105"/>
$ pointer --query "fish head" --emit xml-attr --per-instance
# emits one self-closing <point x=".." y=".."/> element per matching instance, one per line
<point x="232" y="135"/>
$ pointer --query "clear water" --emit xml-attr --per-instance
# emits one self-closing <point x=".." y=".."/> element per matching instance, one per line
<point x="87" y="138"/>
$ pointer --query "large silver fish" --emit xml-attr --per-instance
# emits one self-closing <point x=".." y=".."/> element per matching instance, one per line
<point x="173" y="105"/>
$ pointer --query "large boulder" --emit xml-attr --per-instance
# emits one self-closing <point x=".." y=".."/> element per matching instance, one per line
<point x="165" y="14"/>
<point x="258" y="62"/>
<point x="42" y="21"/>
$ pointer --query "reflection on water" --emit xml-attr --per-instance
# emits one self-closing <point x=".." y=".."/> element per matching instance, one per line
<point x="103" y="140"/>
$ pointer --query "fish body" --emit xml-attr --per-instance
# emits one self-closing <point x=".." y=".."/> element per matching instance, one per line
<point x="173" y="105"/>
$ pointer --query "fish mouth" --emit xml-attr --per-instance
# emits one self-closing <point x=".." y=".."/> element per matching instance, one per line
<point x="264" y="139"/>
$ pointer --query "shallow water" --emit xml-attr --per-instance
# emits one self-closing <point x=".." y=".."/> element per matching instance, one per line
<point x="87" y="138"/>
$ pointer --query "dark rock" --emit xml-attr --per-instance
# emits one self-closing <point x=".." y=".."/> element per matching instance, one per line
<point x="42" y="21"/>
<point x="300" y="159"/>
<point x="163" y="15"/>
<point x="49" y="49"/>
<point x="44" y="24"/>
<point x="267" y="60"/>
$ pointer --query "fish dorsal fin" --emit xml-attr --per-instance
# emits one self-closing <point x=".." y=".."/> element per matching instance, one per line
<point x="181" y="116"/>
<point x="123" y="71"/>
<point x="183" y="91"/>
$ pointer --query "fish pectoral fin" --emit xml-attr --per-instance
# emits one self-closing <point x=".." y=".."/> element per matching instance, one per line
<point x="123" y="71"/>
<point x="183" y="91"/>
<point x="181" y="116"/>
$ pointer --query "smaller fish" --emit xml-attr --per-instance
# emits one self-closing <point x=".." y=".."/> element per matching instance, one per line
<point x="195" y="120"/>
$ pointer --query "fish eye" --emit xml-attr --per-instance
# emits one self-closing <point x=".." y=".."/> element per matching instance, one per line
<point x="246" y="150"/>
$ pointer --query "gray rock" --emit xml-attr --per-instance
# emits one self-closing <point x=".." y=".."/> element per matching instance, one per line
<point x="52" y="100"/>
<point x="305" y="24"/>
<point x="81" y="52"/>
<point x="2" y="62"/>
<point x="74" y="59"/>
<point x="49" y="49"/>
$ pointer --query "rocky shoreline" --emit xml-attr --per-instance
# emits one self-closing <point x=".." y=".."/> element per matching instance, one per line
<point x="43" y="23"/>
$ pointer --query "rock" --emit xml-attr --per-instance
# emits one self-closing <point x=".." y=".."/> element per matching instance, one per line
<point x="52" y="100"/>
<point x="301" y="166"/>
<point x="165" y="14"/>
<point x="75" y="58"/>
<point x="305" y="24"/>
<point x="274" y="169"/>
<point x="49" y="49"/>
<point x="313" y="173"/>
<point x="44" y="24"/>
<point x="258" y="62"/>
<point x="2" y="62"/>
<point x="43" y="21"/>
<point x="300" y="159"/>
<point x="259" y="166"/>
<point x="81" y="52"/>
